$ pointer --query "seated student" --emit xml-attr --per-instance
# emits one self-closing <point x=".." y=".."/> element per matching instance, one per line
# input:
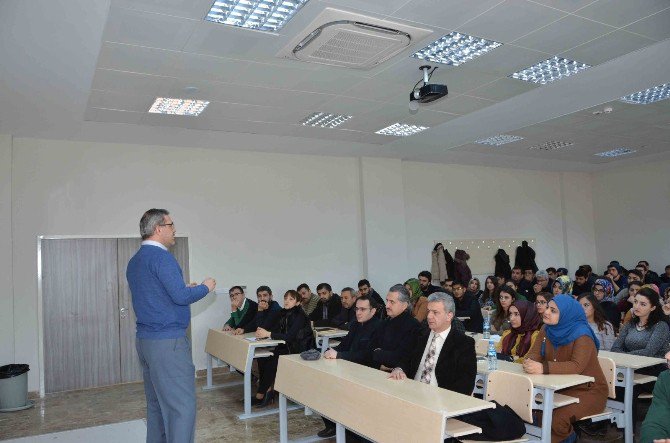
<point x="656" y="425"/>
<point x="604" y="293"/>
<point x="364" y="288"/>
<point x="425" y="279"/>
<point x="309" y="300"/>
<point x="567" y="345"/>
<point x="242" y="310"/>
<point x="396" y="333"/>
<point x="506" y="297"/>
<point x="543" y="282"/>
<point x="356" y="346"/>
<point x="418" y="301"/>
<point x="441" y="356"/>
<point x="467" y="306"/>
<point x="486" y="301"/>
<point x="446" y="285"/>
<point x="665" y="278"/>
<point x="650" y="277"/>
<point x="474" y="288"/>
<point x="552" y="273"/>
<point x="595" y="315"/>
<point x="268" y="312"/>
<point x="581" y="284"/>
<point x="541" y="301"/>
<point x="327" y="308"/>
<point x="666" y="302"/>
<point x="614" y="275"/>
<point x="625" y="306"/>
<point x="293" y="327"/>
<point x="347" y="314"/>
<point x="525" y="326"/>
<point x="525" y="285"/>
<point x="562" y="285"/>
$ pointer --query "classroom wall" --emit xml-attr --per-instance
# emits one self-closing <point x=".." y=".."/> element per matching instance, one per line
<point x="632" y="214"/>
<point x="259" y="218"/>
<point x="6" y="289"/>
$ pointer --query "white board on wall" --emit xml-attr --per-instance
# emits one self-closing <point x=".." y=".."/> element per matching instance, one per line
<point x="483" y="250"/>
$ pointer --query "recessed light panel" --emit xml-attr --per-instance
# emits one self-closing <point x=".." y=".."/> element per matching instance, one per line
<point x="455" y="49"/>
<point x="178" y="106"/>
<point x="550" y="70"/>
<point x="401" y="130"/>
<point x="551" y="145"/>
<point x="499" y="140"/>
<point x="262" y="15"/>
<point x="616" y="152"/>
<point x="651" y="95"/>
<point x="324" y="120"/>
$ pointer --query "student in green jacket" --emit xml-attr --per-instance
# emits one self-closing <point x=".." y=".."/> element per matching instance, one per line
<point x="656" y="426"/>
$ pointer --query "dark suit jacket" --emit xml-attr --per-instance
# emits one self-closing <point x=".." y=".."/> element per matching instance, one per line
<point x="357" y="345"/>
<point x="334" y="306"/>
<point x="345" y="318"/>
<point x="395" y="340"/>
<point x="468" y="306"/>
<point x="456" y="366"/>
<point x="266" y="319"/>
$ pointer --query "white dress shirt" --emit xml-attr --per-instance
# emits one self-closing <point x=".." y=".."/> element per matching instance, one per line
<point x="439" y="342"/>
<point x="154" y="243"/>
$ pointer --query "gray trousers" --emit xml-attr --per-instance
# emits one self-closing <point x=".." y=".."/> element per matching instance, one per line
<point x="169" y="386"/>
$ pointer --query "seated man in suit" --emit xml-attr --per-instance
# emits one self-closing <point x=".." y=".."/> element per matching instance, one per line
<point x="442" y="357"/>
<point x="397" y="333"/>
<point x="268" y="312"/>
<point x="347" y="315"/>
<point x="242" y="309"/>
<point x="328" y="307"/>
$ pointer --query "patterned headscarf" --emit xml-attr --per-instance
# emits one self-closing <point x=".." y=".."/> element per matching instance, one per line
<point x="565" y="283"/>
<point x="413" y="283"/>
<point x="607" y="286"/>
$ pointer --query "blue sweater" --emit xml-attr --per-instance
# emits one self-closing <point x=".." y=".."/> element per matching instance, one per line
<point x="161" y="299"/>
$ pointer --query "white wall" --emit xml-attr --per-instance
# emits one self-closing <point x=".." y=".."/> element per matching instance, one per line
<point x="6" y="289"/>
<point x="632" y="214"/>
<point x="258" y="218"/>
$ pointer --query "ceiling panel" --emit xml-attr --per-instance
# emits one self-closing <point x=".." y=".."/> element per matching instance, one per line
<point x="379" y="90"/>
<point x="510" y="20"/>
<point x="273" y="76"/>
<point x="113" y="116"/>
<point x="234" y="42"/>
<point x="620" y="13"/>
<point x="506" y="59"/>
<point x="383" y="8"/>
<point x="460" y="105"/>
<point x="119" y="101"/>
<point x="350" y="106"/>
<point x="566" y="33"/>
<point x="461" y="79"/>
<point x="607" y="47"/>
<point x="428" y="118"/>
<point x="193" y="9"/>
<point x="503" y="89"/>
<point x="331" y="81"/>
<point x="448" y="14"/>
<point x="566" y="5"/>
<point x="656" y="26"/>
<point x="206" y="67"/>
<point x="128" y="82"/>
<point x="132" y="58"/>
<point x="326" y="133"/>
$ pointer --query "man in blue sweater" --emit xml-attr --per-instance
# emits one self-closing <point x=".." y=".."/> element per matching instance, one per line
<point x="161" y="302"/>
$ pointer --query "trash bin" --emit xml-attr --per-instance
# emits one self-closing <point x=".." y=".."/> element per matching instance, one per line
<point x="13" y="387"/>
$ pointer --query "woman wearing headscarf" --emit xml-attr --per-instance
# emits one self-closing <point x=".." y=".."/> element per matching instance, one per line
<point x="525" y="326"/>
<point x="562" y="285"/>
<point x="419" y="302"/>
<point x="604" y="293"/>
<point x="567" y="345"/>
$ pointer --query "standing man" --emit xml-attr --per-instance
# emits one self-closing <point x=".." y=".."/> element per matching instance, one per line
<point x="161" y="302"/>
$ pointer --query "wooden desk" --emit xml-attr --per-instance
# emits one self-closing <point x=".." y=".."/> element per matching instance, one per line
<point x="323" y="337"/>
<point x="239" y="353"/>
<point x="626" y="364"/>
<point x="366" y="401"/>
<point x="545" y="385"/>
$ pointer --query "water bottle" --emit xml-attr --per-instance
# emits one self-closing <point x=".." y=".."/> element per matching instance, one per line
<point x="492" y="356"/>
<point x="487" y="326"/>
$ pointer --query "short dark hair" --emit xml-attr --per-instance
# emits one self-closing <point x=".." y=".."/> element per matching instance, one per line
<point x="325" y="286"/>
<point x="150" y="219"/>
<point x="645" y="263"/>
<point x="517" y="267"/>
<point x="373" y="305"/>
<point x="667" y="267"/>
<point x="236" y="287"/>
<point x="587" y="268"/>
<point x="636" y="272"/>
<point x="294" y="295"/>
<point x="303" y="286"/>
<point x="458" y="283"/>
<point x="426" y="274"/>
<point x="581" y="272"/>
<point x="364" y="282"/>
<point x="264" y="289"/>
<point x="636" y="283"/>
<point x="550" y="269"/>
<point x="528" y="268"/>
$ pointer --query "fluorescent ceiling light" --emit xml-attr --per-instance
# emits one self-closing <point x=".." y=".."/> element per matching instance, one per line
<point x="549" y="70"/>
<point x="616" y="152"/>
<point x="178" y="106"/>
<point x="401" y="130"/>
<point x="324" y="120"/>
<point x="499" y="140"/>
<point x="551" y="145"/>
<point x="455" y="49"/>
<point x="262" y="15"/>
<point x="651" y="95"/>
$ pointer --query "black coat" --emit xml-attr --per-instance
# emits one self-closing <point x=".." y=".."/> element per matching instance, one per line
<point x="345" y="318"/>
<point x="456" y="366"/>
<point x="379" y="303"/>
<point x="525" y="257"/>
<point x="468" y="306"/>
<point x="451" y="265"/>
<point x="357" y="345"/>
<point x="333" y="307"/>
<point x="394" y="341"/>
<point x="293" y="327"/>
<point x="266" y="319"/>
<point x="430" y="289"/>
<point x="502" y="264"/>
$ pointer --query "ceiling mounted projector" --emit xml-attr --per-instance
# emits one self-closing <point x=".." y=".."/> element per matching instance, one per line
<point x="426" y="93"/>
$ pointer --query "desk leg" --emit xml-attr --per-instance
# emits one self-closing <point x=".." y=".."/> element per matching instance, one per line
<point x="339" y="433"/>
<point x="209" y="371"/>
<point x="547" y="411"/>
<point x="247" y="382"/>
<point x="283" y="419"/>
<point x="629" y="376"/>
<point x="324" y="344"/>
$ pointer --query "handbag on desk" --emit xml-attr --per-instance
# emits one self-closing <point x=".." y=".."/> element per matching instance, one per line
<point x="500" y="423"/>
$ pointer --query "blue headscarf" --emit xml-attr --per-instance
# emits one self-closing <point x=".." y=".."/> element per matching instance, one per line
<point x="572" y="323"/>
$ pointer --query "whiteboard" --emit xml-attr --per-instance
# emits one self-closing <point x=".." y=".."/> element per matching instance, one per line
<point x="482" y="251"/>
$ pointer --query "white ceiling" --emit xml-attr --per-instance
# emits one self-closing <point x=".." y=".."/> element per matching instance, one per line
<point x="90" y="69"/>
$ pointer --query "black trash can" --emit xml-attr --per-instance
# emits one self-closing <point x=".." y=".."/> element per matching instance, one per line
<point x="13" y="387"/>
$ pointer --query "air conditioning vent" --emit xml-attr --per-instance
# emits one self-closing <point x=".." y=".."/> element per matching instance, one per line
<point x="346" y="39"/>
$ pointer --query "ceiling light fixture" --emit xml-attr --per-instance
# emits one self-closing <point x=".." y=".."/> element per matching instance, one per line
<point x="651" y="95"/>
<point x="618" y="152"/>
<point x="262" y="15"/>
<point x="324" y="120"/>
<point x="499" y="140"/>
<point x="551" y="145"/>
<point x="455" y="49"/>
<point x="178" y="106"/>
<point x="401" y="130"/>
<point x="549" y="70"/>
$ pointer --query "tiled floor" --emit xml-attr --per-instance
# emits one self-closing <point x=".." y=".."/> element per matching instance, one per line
<point x="217" y="414"/>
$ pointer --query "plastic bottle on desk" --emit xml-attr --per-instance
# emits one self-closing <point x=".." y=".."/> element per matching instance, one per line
<point x="492" y="356"/>
<point x="487" y="326"/>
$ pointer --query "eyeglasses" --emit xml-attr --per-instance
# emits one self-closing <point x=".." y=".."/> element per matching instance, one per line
<point x="235" y="294"/>
<point x="167" y="224"/>
<point x="598" y="290"/>
<point x="362" y="309"/>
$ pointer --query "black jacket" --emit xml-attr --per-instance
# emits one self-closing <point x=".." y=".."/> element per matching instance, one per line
<point x="503" y="267"/>
<point x="525" y="288"/>
<point x="451" y="265"/>
<point x="468" y="306"/>
<point x="430" y="289"/>
<point x="333" y="307"/>
<point x="345" y="318"/>
<point x="266" y="319"/>
<point x="525" y="257"/>
<point x="357" y="345"/>
<point x="293" y="327"/>
<point x="395" y="340"/>
<point x="379" y="302"/>
<point x="456" y="366"/>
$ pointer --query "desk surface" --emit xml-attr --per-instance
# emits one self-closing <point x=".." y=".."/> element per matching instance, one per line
<point x="631" y="361"/>
<point x="330" y="333"/>
<point x="551" y="381"/>
<point x="234" y="349"/>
